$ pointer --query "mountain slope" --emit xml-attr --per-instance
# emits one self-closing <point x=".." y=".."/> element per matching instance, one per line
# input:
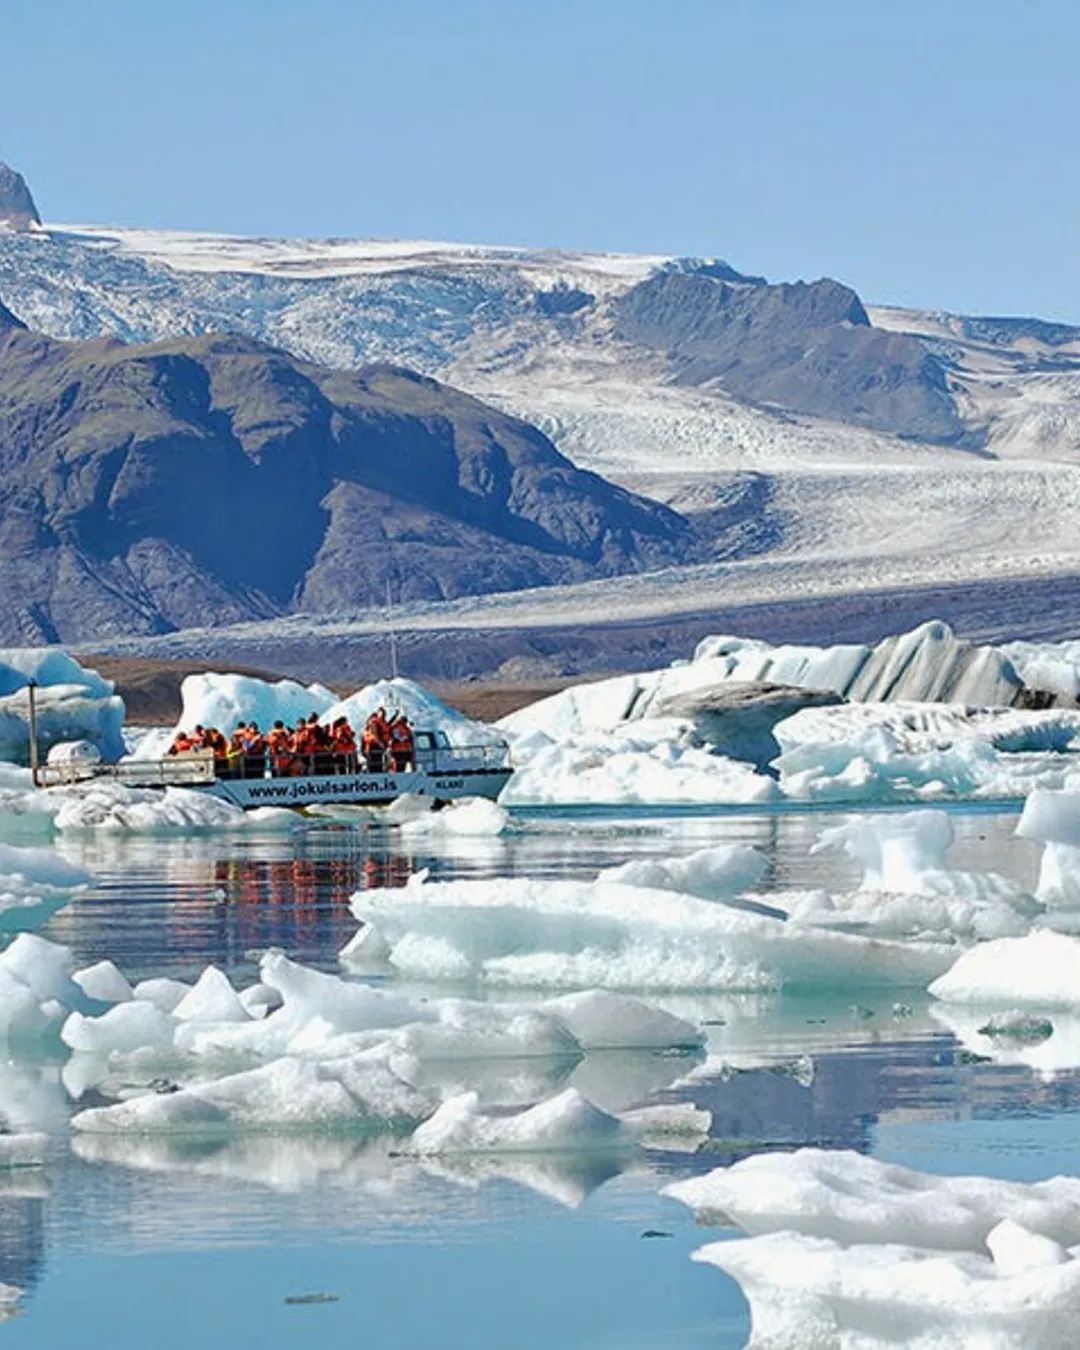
<point x="216" y="479"/>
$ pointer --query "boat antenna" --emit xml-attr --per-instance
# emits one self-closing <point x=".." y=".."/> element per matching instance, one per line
<point x="391" y="634"/>
<point x="31" y="686"/>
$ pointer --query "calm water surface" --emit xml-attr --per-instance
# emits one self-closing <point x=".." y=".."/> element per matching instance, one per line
<point x="152" y="1243"/>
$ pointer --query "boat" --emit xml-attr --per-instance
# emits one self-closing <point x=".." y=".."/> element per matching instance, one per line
<point x="439" y="770"/>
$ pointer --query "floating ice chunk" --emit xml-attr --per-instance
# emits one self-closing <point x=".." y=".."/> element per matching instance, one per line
<point x="161" y="992"/>
<point x="884" y="752"/>
<point x="713" y="873"/>
<point x="806" y="1291"/>
<point x="1014" y="1249"/>
<point x="1053" y="818"/>
<point x="567" y="1121"/>
<point x="213" y="999"/>
<point x="23" y="1018"/>
<point x="599" y="1020"/>
<point x="129" y="1026"/>
<point x="288" y="1093"/>
<point x="342" y="1005"/>
<point x="850" y="1198"/>
<point x="466" y="1030"/>
<point x="45" y="968"/>
<point x="574" y="934"/>
<point x="103" y="982"/>
<point x="640" y="762"/>
<point x="1041" y="970"/>
<point x="472" y="816"/>
<point x="114" y="806"/>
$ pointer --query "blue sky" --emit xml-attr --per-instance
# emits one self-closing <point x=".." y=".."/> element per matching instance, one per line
<point x="923" y="152"/>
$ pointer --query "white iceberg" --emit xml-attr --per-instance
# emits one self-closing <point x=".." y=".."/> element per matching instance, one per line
<point x="579" y="934"/>
<point x="849" y="1198"/>
<point x="567" y="1121"/>
<point x="1040" y="970"/>
<point x="806" y="1291"/>
<point x="73" y="704"/>
<point x="1053" y="818"/>
<point x="882" y="752"/>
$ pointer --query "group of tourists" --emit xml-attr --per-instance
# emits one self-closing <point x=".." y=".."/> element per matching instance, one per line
<point x="310" y="747"/>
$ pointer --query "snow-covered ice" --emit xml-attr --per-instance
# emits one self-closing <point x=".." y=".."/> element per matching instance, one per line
<point x="805" y="1291"/>
<point x="579" y="934"/>
<point x="850" y="1198"/>
<point x="72" y="704"/>
<point x="1039" y="970"/>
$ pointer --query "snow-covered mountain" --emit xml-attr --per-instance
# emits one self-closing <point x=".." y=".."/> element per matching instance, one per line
<point x="945" y="449"/>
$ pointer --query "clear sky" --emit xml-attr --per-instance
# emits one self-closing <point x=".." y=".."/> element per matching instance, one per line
<point x="925" y="152"/>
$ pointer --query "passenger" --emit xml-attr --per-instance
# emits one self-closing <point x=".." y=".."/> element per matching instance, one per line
<point x="322" y="746"/>
<point x="376" y="740"/>
<point x="182" y="744"/>
<point x="255" y="752"/>
<point x="279" y="746"/>
<point x="401" y="744"/>
<point x="303" y="744"/>
<point x="237" y="749"/>
<point x="343" y="739"/>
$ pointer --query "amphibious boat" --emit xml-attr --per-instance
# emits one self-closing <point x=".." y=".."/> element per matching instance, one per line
<point x="439" y="770"/>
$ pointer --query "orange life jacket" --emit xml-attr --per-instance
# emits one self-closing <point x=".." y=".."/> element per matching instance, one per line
<point x="344" y="740"/>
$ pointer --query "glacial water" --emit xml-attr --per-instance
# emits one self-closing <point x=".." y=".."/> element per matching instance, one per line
<point x="332" y="1242"/>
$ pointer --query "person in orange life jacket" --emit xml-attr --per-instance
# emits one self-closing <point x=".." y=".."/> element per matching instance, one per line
<point x="376" y="739"/>
<point x="182" y="744"/>
<point x="343" y="741"/>
<point x="401" y="743"/>
<point x="279" y="745"/>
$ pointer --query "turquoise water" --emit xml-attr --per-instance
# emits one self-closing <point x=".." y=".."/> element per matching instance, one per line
<point x="124" y="1242"/>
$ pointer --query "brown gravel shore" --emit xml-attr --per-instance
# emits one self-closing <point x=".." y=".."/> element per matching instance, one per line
<point x="150" y="688"/>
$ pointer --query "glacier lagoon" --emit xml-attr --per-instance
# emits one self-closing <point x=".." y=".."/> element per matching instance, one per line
<point x="289" y="1239"/>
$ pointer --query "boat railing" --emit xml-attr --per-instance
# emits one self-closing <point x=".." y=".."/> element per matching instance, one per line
<point x="176" y="771"/>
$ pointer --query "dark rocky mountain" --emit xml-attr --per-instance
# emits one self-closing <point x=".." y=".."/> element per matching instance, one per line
<point x="804" y="347"/>
<point x="17" y="206"/>
<point x="213" y="479"/>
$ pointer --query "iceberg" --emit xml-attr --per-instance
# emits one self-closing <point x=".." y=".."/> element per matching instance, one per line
<point x="567" y="1121"/>
<point x="1040" y="970"/>
<point x="805" y="1291"/>
<point x="579" y="934"/>
<point x="885" y="752"/>
<point x="654" y="762"/>
<point x="73" y="704"/>
<point x="1053" y="818"/>
<point x="848" y="1198"/>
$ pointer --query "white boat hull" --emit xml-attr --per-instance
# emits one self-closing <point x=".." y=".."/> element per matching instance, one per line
<point x="357" y="789"/>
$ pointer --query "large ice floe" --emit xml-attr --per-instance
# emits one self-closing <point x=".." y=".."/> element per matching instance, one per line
<point x="696" y="923"/>
<point x="72" y="704"/>
<point x="925" y="716"/>
<point x="518" y="931"/>
<point x="849" y="1252"/>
